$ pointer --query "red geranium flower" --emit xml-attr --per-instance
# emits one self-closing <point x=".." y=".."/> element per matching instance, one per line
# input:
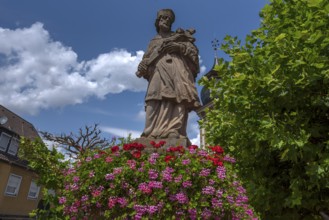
<point x="179" y="149"/>
<point x="168" y="158"/>
<point x="139" y="146"/>
<point x="157" y="145"/>
<point x="216" y="161"/>
<point x="101" y="152"/>
<point x="217" y="149"/>
<point x="137" y="154"/>
<point x="127" y="147"/>
<point x="194" y="147"/>
<point x="114" y="149"/>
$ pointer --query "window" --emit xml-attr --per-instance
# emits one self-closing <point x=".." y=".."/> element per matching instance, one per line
<point x="34" y="190"/>
<point x="13" y="147"/>
<point x="13" y="184"/>
<point x="51" y="192"/>
<point x="4" y="141"/>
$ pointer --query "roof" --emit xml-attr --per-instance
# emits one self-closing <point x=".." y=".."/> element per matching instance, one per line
<point x="212" y="72"/>
<point x="205" y="93"/>
<point x="17" y="124"/>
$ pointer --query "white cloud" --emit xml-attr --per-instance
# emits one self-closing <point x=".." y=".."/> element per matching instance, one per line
<point x="119" y="132"/>
<point x="51" y="145"/>
<point x="115" y="72"/>
<point x="193" y="130"/>
<point x="202" y="67"/>
<point x="202" y="70"/>
<point x="196" y="140"/>
<point x="41" y="73"/>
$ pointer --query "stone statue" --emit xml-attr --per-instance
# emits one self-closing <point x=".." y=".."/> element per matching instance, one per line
<point x="170" y="65"/>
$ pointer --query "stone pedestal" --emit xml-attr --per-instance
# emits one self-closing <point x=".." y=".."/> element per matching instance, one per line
<point x="170" y="142"/>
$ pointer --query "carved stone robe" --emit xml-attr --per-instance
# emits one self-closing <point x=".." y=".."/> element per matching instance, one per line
<point x="171" y="92"/>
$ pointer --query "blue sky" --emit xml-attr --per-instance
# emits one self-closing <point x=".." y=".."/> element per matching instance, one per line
<point x="67" y="64"/>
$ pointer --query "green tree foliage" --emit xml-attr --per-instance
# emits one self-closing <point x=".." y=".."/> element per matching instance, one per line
<point x="49" y="165"/>
<point x="271" y="107"/>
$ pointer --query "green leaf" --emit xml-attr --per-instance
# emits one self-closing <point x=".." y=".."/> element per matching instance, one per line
<point x="277" y="67"/>
<point x="327" y="8"/>
<point x="280" y="37"/>
<point x="283" y="155"/>
<point x="320" y="170"/>
<point x="318" y="65"/>
<point x="314" y="3"/>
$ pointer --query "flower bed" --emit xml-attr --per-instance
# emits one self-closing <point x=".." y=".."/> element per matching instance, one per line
<point x="131" y="183"/>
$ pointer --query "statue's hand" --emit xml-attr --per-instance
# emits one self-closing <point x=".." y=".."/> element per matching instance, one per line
<point x="142" y="68"/>
<point x="139" y="74"/>
<point x="173" y="47"/>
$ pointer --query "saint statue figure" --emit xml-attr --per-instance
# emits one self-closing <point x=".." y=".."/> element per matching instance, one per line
<point x="170" y="65"/>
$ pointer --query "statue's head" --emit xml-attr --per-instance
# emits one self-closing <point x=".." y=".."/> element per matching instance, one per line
<point x="167" y="13"/>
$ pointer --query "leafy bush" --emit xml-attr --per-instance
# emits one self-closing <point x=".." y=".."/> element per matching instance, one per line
<point x="48" y="164"/>
<point x="132" y="183"/>
<point x="271" y="108"/>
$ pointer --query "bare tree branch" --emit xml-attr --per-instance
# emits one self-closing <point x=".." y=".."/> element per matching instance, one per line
<point x="88" y="137"/>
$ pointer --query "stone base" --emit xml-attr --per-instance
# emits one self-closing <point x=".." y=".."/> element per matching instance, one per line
<point x="170" y="142"/>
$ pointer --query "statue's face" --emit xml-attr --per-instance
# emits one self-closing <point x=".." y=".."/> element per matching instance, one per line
<point x="165" y="23"/>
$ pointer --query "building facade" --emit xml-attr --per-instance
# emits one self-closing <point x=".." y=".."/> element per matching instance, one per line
<point x="19" y="193"/>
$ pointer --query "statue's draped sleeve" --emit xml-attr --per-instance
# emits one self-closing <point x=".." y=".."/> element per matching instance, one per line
<point x="151" y="54"/>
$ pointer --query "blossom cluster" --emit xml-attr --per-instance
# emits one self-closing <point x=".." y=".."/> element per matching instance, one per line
<point x="129" y="183"/>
